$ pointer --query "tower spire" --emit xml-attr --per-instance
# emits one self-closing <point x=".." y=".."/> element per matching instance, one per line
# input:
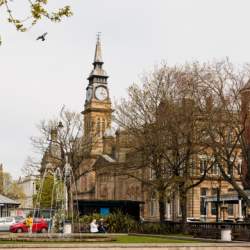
<point x="98" y="50"/>
<point x="98" y="71"/>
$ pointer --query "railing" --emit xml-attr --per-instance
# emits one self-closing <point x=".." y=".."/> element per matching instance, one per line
<point x="240" y="231"/>
<point x="212" y="230"/>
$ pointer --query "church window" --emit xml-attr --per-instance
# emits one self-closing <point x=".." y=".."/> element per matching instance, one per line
<point x="98" y="126"/>
<point x="103" y="125"/>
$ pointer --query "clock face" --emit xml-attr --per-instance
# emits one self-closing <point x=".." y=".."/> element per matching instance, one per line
<point x="89" y="94"/>
<point x="101" y="93"/>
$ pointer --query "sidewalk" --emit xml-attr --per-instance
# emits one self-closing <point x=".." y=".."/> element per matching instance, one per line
<point x="115" y="246"/>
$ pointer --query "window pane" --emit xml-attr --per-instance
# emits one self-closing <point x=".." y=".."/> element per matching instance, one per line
<point x="213" y="208"/>
<point x="203" y="207"/>
<point x="230" y="209"/>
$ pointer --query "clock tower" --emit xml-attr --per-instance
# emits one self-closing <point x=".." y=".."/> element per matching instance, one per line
<point x="97" y="108"/>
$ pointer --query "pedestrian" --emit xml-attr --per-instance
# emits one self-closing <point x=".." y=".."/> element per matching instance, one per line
<point x="101" y="226"/>
<point x="93" y="226"/>
<point x="29" y="223"/>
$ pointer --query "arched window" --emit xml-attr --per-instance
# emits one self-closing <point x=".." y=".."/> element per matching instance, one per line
<point x="98" y="126"/>
<point x="103" y="125"/>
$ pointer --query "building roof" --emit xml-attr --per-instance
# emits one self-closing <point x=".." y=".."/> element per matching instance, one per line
<point x="246" y="86"/>
<point x="98" y="70"/>
<point x="98" y="51"/>
<point x="6" y="200"/>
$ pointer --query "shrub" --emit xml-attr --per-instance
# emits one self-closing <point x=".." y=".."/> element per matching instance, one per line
<point x="121" y="223"/>
<point x="116" y="222"/>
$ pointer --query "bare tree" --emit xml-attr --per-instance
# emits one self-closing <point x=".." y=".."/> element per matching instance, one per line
<point x="163" y="121"/>
<point x="60" y="137"/>
<point x="31" y="166"/>
<point x="227" y="124"/>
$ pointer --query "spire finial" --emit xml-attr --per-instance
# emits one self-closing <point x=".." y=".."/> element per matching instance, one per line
<point x="98" y="51"/>
<point x="98" y="35"/>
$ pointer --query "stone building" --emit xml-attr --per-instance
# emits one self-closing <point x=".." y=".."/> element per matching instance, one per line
<point x="28" y="185"/>
<point x="100" y="190"/>
<point x="52" y="157"/>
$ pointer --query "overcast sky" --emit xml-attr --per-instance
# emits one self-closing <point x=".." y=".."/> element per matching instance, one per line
<point x="37" y="78"/>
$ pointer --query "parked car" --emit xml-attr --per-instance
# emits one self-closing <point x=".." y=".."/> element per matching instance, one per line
<point x="193" y="220"/>
<point x="38" y="226"/>
<point x="6" y="222"/>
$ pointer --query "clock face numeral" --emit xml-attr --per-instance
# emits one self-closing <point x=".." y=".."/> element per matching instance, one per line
<point x="89" y="94"/>
<point x="101" y="93"/>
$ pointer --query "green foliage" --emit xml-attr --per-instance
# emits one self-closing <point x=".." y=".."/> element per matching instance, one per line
<point x="11" y="188"/>
<point x="43" y="197"/>
<point x="121" y="223"/>
<point x="58" y="218"/>
<point x="86" y="219"/>
<point x="38" y="11"/>
<point x="116" y="222"/>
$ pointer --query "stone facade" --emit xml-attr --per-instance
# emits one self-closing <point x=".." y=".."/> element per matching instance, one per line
<point x="106" y="149"/>
<point x="28" y="185"/>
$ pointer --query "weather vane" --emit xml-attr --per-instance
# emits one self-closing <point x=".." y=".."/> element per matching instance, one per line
<point x="98" y="35"/>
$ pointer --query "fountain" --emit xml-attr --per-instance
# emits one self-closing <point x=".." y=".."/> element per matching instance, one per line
<point x="62" y="214"/>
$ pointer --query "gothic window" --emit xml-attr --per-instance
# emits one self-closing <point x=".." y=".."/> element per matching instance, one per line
<point x="98" y="126"/>
<point x="103" y="125"/>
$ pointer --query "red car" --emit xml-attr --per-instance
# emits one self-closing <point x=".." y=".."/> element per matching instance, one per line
<point x="38" y="226"/>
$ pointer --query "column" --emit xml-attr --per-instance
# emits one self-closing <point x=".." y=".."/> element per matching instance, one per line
<point x="240" y="210"/>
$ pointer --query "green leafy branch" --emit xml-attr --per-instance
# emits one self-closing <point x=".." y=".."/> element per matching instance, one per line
<point x="38" y="11"/>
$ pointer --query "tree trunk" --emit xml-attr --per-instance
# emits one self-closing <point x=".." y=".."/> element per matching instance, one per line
<point x="183" y="206"/>
<point x="162" y="206"/>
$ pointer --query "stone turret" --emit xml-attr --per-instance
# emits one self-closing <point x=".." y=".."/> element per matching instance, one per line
<point x="97" y="108"/>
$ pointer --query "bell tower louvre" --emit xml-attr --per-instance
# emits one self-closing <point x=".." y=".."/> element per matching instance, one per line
<point x="97" y="108"/>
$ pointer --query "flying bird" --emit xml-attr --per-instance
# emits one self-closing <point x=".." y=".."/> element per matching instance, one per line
<point x="42" y="37"/>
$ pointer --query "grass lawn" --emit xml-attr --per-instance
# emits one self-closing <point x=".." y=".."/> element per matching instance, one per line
<point x="148" y="239"/>
<point x="117" y="239"/>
